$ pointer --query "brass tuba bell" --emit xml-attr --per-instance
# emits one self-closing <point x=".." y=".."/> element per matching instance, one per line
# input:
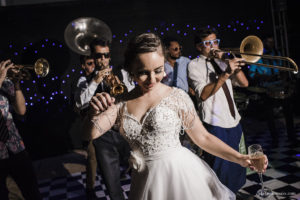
<point x="80" y="33"/>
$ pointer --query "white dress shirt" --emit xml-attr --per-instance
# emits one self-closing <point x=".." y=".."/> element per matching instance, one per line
<point x="85" y="91"/>
<point x="214" y="110"/>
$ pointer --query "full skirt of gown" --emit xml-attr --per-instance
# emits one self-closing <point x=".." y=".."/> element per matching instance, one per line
<point x="177" y="174"/>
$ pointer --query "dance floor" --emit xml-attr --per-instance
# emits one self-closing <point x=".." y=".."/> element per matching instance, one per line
<point x="63" y="177"/>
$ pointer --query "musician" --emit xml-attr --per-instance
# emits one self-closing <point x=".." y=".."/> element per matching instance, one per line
<point x="212" y="81"/>
<point x="175" y="65"/>
<point x="14" y="159"/>
<point x="109" y="148"/>
<point x="262" y="75"/>
<point x="273" y="79"/>
<point x="84" y="87"/>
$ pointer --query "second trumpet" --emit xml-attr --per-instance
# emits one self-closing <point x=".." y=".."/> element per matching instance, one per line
<point x="41" y="68"/>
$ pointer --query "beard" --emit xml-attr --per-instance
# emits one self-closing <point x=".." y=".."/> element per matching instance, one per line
<point x="174" y="57"/>
<point x="101" y="66"/>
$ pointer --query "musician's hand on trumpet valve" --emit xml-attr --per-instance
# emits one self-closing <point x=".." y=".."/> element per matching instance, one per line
<point x="11" y="71"/>
<point x="17" y="73"/>
<point x="4" y="66"/>
<point x="113" y="80"/>
<point x="102" y="74"/>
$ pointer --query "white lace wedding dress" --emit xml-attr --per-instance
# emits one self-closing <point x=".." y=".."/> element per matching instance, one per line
<point x="164" y="170"/>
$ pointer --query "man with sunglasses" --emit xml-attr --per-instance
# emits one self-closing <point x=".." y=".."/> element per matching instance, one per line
<point x="212" y="79"/>
<point x="84" y="89"/>
<point x="175" y="65"/>
<point x="107" y="150"/>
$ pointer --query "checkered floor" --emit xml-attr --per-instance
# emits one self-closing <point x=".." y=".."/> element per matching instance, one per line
<point x="73" y="187"/>
<point x="282" y="175"/>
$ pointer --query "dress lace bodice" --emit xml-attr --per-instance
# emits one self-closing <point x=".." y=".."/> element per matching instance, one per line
<point x="161" y="125"/>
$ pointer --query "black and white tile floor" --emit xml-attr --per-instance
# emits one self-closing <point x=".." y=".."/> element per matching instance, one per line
<point x="282" y="175"/>
<point x="73" y="187"/>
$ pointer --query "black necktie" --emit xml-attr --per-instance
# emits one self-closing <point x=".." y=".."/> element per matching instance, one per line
<point x="224" y="87"/>
<point x="3" y="129"/>
<point x="175" y="74"/>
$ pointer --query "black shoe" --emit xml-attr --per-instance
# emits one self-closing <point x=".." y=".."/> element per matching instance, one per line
<point x="91" y="195"/>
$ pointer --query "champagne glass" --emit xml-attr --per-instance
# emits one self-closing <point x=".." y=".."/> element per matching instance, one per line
<point x="257" y="158"/>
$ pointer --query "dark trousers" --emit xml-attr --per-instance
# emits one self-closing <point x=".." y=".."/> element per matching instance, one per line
<point x="19" y="167"/>
<point x="232" y="175"/>
<point x="91" y="167"/>
<point x="111" y="149"/>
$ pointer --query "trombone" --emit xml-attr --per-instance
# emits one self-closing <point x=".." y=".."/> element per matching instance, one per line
<point x="251" y="49"/>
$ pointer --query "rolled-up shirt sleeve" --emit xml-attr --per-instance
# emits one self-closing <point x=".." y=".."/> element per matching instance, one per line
<point x="197" y="76"/>
<point x="84" y="92"/>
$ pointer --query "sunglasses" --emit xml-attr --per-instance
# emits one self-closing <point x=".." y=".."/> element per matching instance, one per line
<point x="100" y="55"/>
<point x="177" y="48"/>
<point x="90" y="63"/>
<point x="208" y="43"/>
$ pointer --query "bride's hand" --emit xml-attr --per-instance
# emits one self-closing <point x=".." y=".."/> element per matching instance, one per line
<point x="245" y="161"/>
<point x="266" y="162"/>
<point x="101" y="102"/>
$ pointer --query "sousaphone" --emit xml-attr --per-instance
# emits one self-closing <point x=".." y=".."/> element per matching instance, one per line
<point x="80" y="32"/>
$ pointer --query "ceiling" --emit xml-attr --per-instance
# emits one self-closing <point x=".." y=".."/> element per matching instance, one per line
<point x="4" y="3"/>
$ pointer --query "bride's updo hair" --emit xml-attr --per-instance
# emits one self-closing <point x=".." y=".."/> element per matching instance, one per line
<point x="143" y="43"/>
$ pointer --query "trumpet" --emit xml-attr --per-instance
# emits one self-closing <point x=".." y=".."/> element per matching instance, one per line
<point x="78" y="35"/>
<point x="116" y="87"/>
<point x="40" y="67"/>
<point x="251" y="49"/>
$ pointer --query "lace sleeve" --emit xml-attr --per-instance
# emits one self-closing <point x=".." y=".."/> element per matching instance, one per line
<point x="107" y="120"/>
<point x="186" y="110"/>
<point x="117" y="124"/>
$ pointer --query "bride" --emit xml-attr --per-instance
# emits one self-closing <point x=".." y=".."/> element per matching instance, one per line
<point x="151" y="118"/>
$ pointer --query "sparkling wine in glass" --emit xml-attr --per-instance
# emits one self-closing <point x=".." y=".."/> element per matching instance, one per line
<point x="257" y="158"/>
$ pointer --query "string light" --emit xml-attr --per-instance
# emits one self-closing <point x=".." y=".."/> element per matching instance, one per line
<point x="33" y="96"/>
